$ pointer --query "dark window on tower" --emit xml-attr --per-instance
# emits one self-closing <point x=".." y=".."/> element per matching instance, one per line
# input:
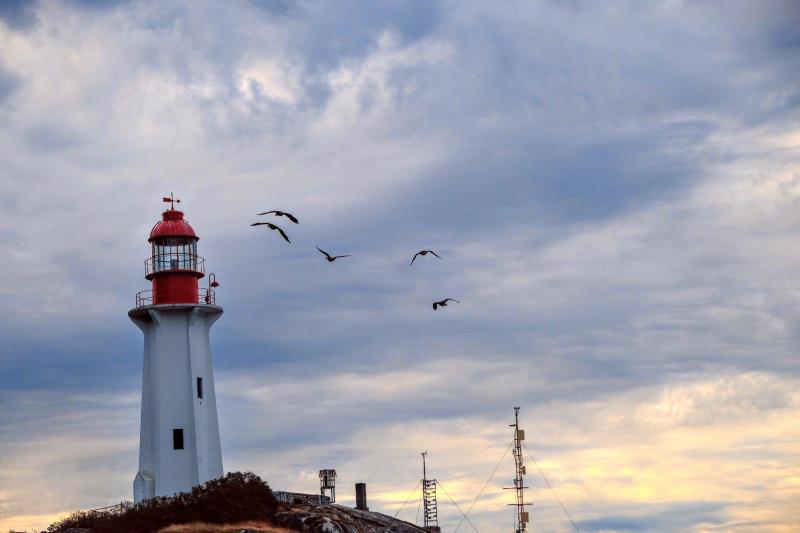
<point x="200" y="388"/>
<point x="177" y="439"/>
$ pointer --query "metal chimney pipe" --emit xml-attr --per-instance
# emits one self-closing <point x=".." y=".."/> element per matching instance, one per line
<point x="361" y="497"/>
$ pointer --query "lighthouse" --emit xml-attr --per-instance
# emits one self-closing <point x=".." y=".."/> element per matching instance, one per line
<point x="179" y="445"/>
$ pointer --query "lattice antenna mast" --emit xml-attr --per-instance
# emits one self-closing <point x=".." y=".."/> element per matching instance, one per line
<point x="521" y="515"/>
<point x="430" y="514"/>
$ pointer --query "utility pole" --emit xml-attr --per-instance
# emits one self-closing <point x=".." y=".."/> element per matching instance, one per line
<point x="521" y="515"/>
<point x="430" y="514"/>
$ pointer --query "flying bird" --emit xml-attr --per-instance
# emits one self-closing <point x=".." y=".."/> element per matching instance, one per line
<point x="281" y="214"/>
<point x="272" y="227"/>
<point x="423" y="252"/>
<point x="443" y="303"/>
<point x="329" y="257"/>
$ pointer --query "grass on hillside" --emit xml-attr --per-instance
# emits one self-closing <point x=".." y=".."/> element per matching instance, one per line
<point x="204" y="527"/>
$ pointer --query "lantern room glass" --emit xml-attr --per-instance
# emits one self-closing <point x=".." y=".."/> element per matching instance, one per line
<point x="174" y="253"/>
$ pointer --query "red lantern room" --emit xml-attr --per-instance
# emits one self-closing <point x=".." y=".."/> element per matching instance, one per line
<point x="174" y="266"/>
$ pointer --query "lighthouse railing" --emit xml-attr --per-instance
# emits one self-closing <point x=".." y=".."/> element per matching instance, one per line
<point x="174" y="261"/>
<point x="204" y="296"/>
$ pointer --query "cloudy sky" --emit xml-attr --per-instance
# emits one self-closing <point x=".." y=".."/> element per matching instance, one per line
<point x="613" y="187"/>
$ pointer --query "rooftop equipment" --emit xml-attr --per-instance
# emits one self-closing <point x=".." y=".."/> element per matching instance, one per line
<point x="327" y="481"/>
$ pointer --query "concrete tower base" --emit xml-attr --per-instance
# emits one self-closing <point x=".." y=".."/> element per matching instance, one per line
<point x="179" y="444"/>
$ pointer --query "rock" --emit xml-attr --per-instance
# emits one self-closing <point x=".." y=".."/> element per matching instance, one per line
<point x="339" y="519"/>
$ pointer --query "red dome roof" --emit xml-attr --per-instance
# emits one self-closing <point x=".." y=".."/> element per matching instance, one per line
<point x="172" y="225"/>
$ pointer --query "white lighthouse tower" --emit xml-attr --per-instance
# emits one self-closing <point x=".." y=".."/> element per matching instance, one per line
<point x="179" y="443"/>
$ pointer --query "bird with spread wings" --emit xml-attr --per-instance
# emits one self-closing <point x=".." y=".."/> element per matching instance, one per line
<point x="281" y="214"/>
<point x="272" y="227"/>
<point x="423" y="253"/>
<point x="443" y="303"/>
<point x="329" y="257"/>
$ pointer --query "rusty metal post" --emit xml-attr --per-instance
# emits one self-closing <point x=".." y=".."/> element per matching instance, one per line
<point x="361" y="497"/>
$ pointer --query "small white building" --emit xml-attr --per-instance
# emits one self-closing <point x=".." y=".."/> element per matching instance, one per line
<point x="179" y="444"/>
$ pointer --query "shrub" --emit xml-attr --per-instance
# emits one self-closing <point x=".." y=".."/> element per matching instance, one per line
<point x="237" y="497"/>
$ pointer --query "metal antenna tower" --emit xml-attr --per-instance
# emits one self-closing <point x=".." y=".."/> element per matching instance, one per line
<point x="521" y="515"/>
<point x="430" y="514"/>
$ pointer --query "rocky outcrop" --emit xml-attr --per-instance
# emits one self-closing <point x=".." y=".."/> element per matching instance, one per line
<point x="307" y="519"/>
<point x="339" y="519"/>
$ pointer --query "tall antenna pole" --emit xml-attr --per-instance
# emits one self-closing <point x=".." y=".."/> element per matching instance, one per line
<point x="430" y="516"/>
<point x="521" y="515"/>
<point x="424" y="472"/>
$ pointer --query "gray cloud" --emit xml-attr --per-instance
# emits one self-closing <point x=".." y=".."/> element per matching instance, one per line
<point x="8" y="84"/>
<point x="18" y="14"/>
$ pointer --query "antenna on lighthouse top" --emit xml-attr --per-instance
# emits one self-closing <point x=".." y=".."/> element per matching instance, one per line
<point x="171" y="200"/>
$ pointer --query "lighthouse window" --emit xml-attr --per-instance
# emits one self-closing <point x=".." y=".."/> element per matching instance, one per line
<point x="174" y="253"/>
<point x="200" y="388"/>
<point x="177" y="439"/>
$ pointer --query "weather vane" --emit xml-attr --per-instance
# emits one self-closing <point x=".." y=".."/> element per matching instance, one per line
<point x="172" y="200"/>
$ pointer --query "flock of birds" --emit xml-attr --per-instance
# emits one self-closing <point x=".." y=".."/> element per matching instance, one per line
<point x="331" y="258"/>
